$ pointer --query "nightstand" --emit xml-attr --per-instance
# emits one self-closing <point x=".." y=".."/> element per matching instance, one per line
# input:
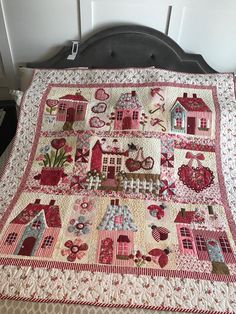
<point x="9" y="123"/>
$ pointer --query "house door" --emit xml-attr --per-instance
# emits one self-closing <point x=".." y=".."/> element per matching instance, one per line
<point x="70" y="115"/>
<point x="126" y="123"/>
<point x="110" y="172"/>
<point x="214" y="251"/>
<point x="27" y="246"/>
<point x="191" y="123"/>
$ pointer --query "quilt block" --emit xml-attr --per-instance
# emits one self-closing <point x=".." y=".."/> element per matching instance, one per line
<point x="122" y="180"/>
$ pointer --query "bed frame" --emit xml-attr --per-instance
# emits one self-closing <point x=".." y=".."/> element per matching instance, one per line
<point x="128" y="46"/>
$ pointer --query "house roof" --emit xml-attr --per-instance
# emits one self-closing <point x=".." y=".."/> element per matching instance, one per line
<point x="128" y="101"/>
<point x="77" y="97"/>
<point x="51" y="212"/>
<point x="110" y="152"/>
<point x="193" y="104"/>
<point x="186" y="219"/>
<point x="109" y="221"/>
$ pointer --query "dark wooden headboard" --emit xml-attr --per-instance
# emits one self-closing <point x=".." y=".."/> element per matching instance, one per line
<point x="129" y="46"/>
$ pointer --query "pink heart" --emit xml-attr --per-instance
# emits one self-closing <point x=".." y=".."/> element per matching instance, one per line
<point x="101" y="94"/>
<point x="58" y="143"/>
<point x="96" y="122"/>
<point x="99" y="108"/>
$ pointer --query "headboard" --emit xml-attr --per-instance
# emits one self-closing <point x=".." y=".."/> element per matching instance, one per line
<point x="129" y="46"/>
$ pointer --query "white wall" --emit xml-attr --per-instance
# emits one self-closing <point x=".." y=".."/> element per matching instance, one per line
<point x="32" y="30"/>
<point x="36" y="30"/>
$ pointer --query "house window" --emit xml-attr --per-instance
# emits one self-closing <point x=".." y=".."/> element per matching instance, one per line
<point x="119" y="115"/>
<point x="62" y="107"/>
<point x="178" y="110"/>
<point x="104" y="168"/>
<point x="135" y="115"/>
<point x="210" y="210"/>
<point x="187" y="244"/>
<point x="118" y="169"/>
<point x="123" y="245"/>
<point x="105" y="160"/>
<point x="112" y="161"/>
<point x="36" y="224"/>
<point x="201" y="244"/>
<point x="80" y="108"/>
<point x="11" y="238"/>
<point x="118" y="219"/>
<point x="179" y="122"/>
<point x="203" y="123"/>
<point x="118" y="161"/>
<point x="123" y="248"/>
<point x="184" y="232"/>
<point x="224" y="243"/>
<point x="47" y="243"/>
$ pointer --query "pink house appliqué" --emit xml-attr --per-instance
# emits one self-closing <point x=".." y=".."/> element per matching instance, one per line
<point x="127" y="112"/>
<point x="34" y="231"/>
<point x="72" y="108"/>
<point x="204" y="241"/>
<point x="116" y="235"/>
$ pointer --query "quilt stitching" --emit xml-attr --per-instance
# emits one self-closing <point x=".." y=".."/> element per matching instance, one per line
<point x="121" y="189"/>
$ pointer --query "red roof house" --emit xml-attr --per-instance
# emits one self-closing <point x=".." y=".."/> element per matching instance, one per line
<point x="72" y="108"/>
<point x="108" y="161"/>
<point x="191" y="115"/>
<point x="34" y="231"/>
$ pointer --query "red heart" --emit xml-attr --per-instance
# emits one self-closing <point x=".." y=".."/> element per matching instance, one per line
<point x="147" y="163"/>
<point x="101" y="94"/>
<point x="196" y="179"/>
<point x="58" y="143"/>
<point x="132" y="164"/>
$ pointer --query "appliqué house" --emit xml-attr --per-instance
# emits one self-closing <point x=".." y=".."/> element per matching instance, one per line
<point x="191" y="115"/>
<point x="34" y="231"/>
<point x="72" y="108"/>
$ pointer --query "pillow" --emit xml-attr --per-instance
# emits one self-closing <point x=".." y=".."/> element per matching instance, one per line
<point x="26" y="75"/>
<point x="17" y="96"/>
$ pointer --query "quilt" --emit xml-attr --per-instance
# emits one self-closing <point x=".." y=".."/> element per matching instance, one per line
<point x="120" y="191"/>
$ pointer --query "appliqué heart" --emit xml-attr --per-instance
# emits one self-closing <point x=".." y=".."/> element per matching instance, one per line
<point x="96" y="122"/>
<point x="132" y="164"/>
<point x="58" y="143"/>
<point x="147" y="163"/>
<point x="101" y="94"/>
<point x="196" y="179"/>
<point x="99" y="108"/>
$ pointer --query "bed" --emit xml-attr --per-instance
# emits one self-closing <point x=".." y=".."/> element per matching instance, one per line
<point x="114" y="48"/>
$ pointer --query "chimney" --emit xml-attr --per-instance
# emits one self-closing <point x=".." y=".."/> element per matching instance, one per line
<point x="133" y="93"/>
<point x="185" y="95"/>
<point x="183" y="212"/>
<point x="194" y="95"/>
<point x="37" y="201"/>
<point x="52" y="202"/>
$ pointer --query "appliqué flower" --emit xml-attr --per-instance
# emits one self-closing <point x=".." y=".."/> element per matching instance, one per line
<point x="74" y="250"/>
<point x="79" y="226"/>
<point x="84" y="205"/>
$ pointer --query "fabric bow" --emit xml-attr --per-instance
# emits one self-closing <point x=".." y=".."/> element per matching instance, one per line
<point x="193" y="157"/>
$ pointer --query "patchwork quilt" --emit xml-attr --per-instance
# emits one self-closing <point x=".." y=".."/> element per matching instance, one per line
<point x="121" y="191"/>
